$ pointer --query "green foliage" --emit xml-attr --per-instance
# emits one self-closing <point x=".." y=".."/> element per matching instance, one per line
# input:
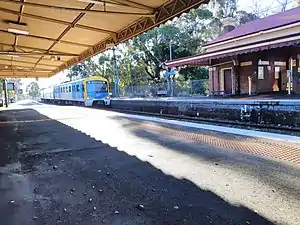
<point x="245" y="17"/>
<point x="83" y="69"/>
<point x="33" y="90"/>
<point x="225" y="8"/>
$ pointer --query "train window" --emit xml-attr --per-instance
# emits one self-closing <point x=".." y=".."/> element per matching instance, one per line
<point x="82" y="87"/>
<point x="69" y="88"/>
<point x="61" y="89"/>
<point x="64" y="89"/>
<point x="77" y="87"/>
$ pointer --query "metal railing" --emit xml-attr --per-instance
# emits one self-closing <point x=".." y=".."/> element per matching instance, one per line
<point x="180" y="89"/>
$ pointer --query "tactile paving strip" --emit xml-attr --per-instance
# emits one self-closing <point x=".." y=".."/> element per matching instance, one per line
<point x="264" y="147"/>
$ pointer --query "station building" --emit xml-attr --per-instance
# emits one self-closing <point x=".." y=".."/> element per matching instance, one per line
<point x="262" y="56"/>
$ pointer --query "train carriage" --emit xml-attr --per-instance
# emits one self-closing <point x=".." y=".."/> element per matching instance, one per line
<point x="88" y="91"/>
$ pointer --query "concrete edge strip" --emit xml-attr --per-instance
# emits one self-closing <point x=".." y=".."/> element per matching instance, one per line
<point x="272" y="102"/>
<point x="237" y="131"/>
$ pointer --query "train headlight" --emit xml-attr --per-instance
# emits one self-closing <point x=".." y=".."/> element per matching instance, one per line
<point x="107" y="97"/>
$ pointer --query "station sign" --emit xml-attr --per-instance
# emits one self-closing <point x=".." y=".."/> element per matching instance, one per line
<point x="172" y="72"/>
<point x="10" y="86"/>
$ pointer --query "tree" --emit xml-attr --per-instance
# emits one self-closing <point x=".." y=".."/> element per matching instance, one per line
<point x="283" y="4"/>
<point x="103" y="64"/>
<point x="275" y="7"/>
<point x="186" y="35"/>
<point x="33" y="90"/>
<point x="225" y="8"/>
<point x="245" y="17"/>
<point x="87" y="68"/>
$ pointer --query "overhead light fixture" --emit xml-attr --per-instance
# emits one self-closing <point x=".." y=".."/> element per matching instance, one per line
<point x="97" y="2"/>
<point x="12" y="55"/>
<point x="90" y="1"/>
<point x="18" y="28"/>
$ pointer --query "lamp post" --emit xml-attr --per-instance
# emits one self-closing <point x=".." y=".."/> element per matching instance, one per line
<point x="116" y="73"/>
<point x="170" y="47"/>
<point x="4" y="84"/>
<point x="170" y="77"/>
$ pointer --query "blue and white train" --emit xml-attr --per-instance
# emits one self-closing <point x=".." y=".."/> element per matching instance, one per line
<point x="87" y="91"/>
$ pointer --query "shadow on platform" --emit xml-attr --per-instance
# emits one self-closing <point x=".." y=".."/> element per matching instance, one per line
<point x="263" y="168"/>
<point x="42" y="162"/>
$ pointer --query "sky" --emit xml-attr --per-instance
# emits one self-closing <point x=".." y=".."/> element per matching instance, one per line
<point x="247" y="5"/>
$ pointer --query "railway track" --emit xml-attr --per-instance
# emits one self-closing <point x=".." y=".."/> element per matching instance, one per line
<point x="262" y="127"/>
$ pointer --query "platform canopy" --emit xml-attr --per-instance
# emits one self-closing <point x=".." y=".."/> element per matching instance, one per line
<point x="39" y="38"/>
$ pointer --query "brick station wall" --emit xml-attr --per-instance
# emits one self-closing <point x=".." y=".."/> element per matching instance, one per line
<point x="276" y="113"/>
<point x="272" y="58"/>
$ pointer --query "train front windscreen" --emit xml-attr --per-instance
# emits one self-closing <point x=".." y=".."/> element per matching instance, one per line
<point x="97" y="89"/>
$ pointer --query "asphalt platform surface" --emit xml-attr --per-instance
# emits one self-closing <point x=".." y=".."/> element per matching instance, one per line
<point x="75" y="165"/>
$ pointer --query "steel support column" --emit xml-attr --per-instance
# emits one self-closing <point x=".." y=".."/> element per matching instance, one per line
<point x="4" y="85"/>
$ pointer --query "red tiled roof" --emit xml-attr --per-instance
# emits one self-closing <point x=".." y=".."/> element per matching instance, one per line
<point x="274" y="21"/>
<point x="203" y="59"/>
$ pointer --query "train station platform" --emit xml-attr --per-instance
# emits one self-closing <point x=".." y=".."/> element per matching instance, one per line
<point x="78" y="165"/>
<point x="268" y="110"/>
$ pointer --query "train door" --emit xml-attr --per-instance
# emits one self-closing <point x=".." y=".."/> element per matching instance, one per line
<point x="77" y="91"/>
<point x="83" y="87"/>
<point x="73" y="91"/>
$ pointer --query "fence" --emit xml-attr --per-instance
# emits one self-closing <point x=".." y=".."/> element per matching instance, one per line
<point x="180" y="89"/>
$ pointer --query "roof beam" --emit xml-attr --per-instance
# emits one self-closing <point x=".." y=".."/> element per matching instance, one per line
<point x="28" y="68"/>
<point x="134" y="4"/>
<point x="122" y="3"/>
<point x="46" y="39"/>
<point x="39" y="51"/>
<point x="76" y="10"/>
<point x="24" y="74"/>
<point x="62" y="22"/>
<point x="74" y="22"/>
<point x="19" y="21"/>
<point x="36" y="53"/>
<point x="26" y="62"/>
<point x="164" y="13"/>
<point x="37" y="57"/>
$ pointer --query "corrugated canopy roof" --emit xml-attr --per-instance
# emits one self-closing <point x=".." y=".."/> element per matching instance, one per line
<point x="40" y="38"/>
